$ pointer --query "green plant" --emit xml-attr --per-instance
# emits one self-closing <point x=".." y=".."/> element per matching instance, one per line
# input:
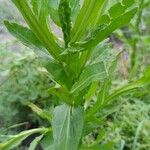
<point x="135" y="38"/>
<point x="76" y="77"/>
<point x="23" y="80"/>
<point x="130" y="125"/>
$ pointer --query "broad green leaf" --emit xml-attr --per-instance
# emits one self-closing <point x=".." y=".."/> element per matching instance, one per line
<point x="65" y="19"/>
<point x="42" y="113"/>
<point x="91" y="73"/>
<point x="67" y="127"/>
<point x="35" y="142"/>
<point x="17" y="139"/>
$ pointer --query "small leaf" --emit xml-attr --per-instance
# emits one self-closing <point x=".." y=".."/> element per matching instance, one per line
<point x="47" y="141"/>
<point x="43" y="114"/>
<point x="91" y="91"/>
<point x="67" y="127"/>
<point x="57" y="73"/>
<point x="91" y="73"/>
<point x="100" y="99"/>
<point x="35" y="142"/>
<point x="25" y="35"/>
<point x="130" y="86"/>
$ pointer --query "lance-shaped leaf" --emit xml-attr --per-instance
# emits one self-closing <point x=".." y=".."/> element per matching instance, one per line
<point x="41" y="31"/>
<point x="25" y="35"/>
<point x="28" y="38"/>
<point x="16" y="140"/>
<point x="53" y="11"/>
<point x="88" y="15"/>
<point x="112" y="13"/>
<point x="130" y="86"/>
<point x="35" y="142"/>
<point x="91" y="73"/>
<point x="65" y="19"/>
<point x="101" y="98"/>
<point x="103" y="32"/>
<point x="42" y="113"/>
<point x="67" y="127"/>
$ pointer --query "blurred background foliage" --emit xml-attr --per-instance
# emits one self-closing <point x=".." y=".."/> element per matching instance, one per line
<point x="23" y="80"/>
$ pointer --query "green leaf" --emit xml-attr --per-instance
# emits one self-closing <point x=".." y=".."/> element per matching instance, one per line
<point x="120" y="10"/>
<point x="128" y="3"/>
<point x="98" y="147"/>
<point x="34" y="4"/>
<point x="75" y="9"/>
<point x="91" y="73"/>
<point x="51" y="147"/>
<point x="53" y="11"/>
<point x="17" y="139"/>
<point x="61" y="93"/>
<point x="25" y="35"/>
<point x="47" y="141"/>
<point x="40" y="30"/>
<point x="103" y="32"/>
<point x="65" y="19"/>
<point x="86" y="18"/>
<point x="91" y="91"/>
<point x="131" y="86"/>
<point x="35" y="142"/>
<point x="57" y="73"/>
<point x="43" y="114"/>
<point x="54" y="6"/>
<point x="40" y="9"/>
<point x="100" y="99"/>
<point x="67" y="127"/>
